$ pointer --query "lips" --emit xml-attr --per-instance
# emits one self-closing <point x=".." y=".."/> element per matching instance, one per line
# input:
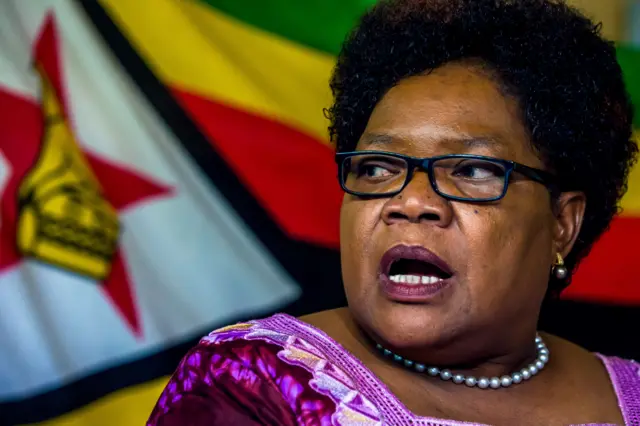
<point x="410" y="257"/>
<point x="413" y="273"/>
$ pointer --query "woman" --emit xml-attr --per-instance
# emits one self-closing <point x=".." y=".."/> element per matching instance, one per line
<point x="483" y="146"/>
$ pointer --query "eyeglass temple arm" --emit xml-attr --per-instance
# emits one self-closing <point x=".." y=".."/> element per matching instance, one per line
<point x="538" y="175"/>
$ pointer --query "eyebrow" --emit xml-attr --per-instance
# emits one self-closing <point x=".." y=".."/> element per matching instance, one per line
<point x="378" y="139"/>
<point x="474" y="142"/>
<point x="381" y="139"/>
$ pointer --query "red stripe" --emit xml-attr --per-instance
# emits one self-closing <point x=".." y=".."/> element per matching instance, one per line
<point x="292" y="174"/>
<point x="609" y="274"/>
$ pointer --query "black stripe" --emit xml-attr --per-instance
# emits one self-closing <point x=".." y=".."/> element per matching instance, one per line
<point x="608" y="329"/>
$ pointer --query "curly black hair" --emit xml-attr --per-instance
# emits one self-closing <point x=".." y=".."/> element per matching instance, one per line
<point x="546" y="54"/>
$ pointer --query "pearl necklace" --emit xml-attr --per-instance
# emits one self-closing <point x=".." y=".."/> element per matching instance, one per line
<point x="483" y="382"/>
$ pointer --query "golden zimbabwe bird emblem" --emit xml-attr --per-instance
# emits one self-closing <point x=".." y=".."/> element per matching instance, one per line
<point x="63" y="218"/>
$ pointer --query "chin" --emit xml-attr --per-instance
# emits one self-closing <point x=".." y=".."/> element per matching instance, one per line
<point x="405" y="325"/>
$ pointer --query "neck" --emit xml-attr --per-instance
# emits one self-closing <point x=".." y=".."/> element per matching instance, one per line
<point x="497" y="361"/>
<point x="474" y="356"/>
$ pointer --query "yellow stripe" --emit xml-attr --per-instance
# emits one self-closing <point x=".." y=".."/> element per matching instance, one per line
<point x="194" y="47"/>
<point x="631" y="200"/>
<point x="127" y="407"/>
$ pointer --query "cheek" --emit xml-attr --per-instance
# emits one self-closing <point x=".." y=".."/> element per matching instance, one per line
<point x="507" y="248"/>
<point x="358" y="221"/>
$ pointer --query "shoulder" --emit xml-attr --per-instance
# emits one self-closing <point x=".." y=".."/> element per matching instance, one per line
<point x="569" y="353"/>
<point x="338" y="325"/>
<point x="577" y="362"/>
<point x="239" y="372"/>
<point x="624" y="375"/>
<point x="625" y="379"/>
<point x="279" y="329"/>
<point x="597" y="372"/>
<point x="620" y="365"/>
<point x="262" y="345"/>
<point x="327" y="320"/>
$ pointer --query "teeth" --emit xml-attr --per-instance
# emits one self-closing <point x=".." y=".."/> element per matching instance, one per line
<point x="415" y="279"/>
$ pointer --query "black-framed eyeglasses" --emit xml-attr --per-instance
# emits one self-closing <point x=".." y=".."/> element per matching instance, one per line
<point x="458" y="177"/>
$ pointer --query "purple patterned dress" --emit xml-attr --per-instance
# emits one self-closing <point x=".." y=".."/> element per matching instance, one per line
<point x="282" y="371"/>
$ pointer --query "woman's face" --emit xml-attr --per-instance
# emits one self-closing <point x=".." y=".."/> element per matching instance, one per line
<point x="499" y="255"/>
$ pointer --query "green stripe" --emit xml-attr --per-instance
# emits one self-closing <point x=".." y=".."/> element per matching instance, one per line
<point x="320" y="24"/>
<point x="323" y="25"/>
<point x="629" y="59"/>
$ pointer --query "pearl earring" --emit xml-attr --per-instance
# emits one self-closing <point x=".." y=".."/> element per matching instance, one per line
<point x="559" y="270"/>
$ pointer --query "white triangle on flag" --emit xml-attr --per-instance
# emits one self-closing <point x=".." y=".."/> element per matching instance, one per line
<point x="192" y="263"/>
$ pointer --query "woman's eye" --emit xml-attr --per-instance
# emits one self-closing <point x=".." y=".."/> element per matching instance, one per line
<point x="373" y="170"/>
<point x="478" y="171"/>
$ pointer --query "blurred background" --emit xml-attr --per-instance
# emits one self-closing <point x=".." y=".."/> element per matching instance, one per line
<point x="165" y="170"/>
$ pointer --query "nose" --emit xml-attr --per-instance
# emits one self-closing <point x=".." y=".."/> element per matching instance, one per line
<point x="418" y="203"/>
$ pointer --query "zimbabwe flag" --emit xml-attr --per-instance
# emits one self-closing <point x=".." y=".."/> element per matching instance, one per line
<point x="164" y="170"/>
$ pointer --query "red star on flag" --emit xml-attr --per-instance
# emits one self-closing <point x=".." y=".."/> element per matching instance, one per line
<point x="21" y="133"/>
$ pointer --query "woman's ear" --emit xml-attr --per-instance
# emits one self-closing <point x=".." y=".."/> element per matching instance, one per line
<point x="569" y="214"/>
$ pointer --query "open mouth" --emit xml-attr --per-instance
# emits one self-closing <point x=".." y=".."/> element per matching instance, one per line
<point x="414" y="265"/>
<point x="413" y="271"/>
